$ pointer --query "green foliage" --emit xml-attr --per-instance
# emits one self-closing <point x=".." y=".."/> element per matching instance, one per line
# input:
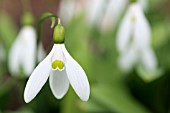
<point x="8" y="30"/>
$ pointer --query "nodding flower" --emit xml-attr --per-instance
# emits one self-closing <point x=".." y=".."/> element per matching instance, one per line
<point x="133" y="40"/>
<point x="61" y="69"/>
<point x="23" y="52"/>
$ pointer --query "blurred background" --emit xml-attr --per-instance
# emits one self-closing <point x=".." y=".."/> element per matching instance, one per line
<point x="91" y="34"/>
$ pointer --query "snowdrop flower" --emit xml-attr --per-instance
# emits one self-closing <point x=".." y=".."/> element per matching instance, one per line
<point x="133" y="41"/>
<point x="61" y="69"/>
<point x="22" y="53"/>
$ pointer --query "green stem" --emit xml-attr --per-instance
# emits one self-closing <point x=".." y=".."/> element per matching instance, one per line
<point x="42" y="19"/>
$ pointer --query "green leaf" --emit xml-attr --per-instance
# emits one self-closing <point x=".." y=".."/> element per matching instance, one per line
<point x="117" y="99"/>
<point x="22" y="110"/>
<point x="93" y="107"/>
<point x="8" y="30"/>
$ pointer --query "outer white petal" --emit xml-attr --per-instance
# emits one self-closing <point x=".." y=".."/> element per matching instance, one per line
<point x="125" y="32"/>
<point x="28" y="52"/>
<point x="14" y="56"/>
<point x="142" y="32"/>
<point x="128" y="60"/>
<point x="148" y="59"/>
<point x="59" y="83"/>
<point x="76" y="76"/>
<point x="38" y="78"/>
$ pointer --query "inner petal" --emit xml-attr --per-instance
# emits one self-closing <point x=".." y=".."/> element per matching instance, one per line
<point x="57" y="64"/>
<point x="58" y="59"/>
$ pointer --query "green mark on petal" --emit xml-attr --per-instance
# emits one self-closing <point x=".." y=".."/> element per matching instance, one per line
<point x="133" y="19"/>
<point x="58" y="63"/>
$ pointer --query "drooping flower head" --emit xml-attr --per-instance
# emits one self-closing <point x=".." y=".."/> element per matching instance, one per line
<point x="133" y="40"/>
<point x="61" y="69"/>
<point x="22" y="53"/>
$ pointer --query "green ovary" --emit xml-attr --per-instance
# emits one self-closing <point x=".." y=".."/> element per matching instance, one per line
<point x="57" y="63"/>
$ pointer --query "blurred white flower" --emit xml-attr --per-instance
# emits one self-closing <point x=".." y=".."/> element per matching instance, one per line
<point x="22" y="53"/>
<point x="61" y="69"/>
<point x="133" y="41"/>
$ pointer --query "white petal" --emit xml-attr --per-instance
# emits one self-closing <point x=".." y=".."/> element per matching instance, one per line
<point x="149" y="59"/>
<point x="28" y="51"/>
<point x="58" y="53"/>
<point x="142" y="32"/>
<point x="128" y="60"/>
<point x="124" y="32"/>
<point x="38" y="78"/>
<point x="76" y="76"/>
<point x="14" y="56"/>
<point x="59" y="83"/>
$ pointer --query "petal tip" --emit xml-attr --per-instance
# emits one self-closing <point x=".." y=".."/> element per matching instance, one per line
<point x="85" y="98"/>
<point x="26" y="99"/>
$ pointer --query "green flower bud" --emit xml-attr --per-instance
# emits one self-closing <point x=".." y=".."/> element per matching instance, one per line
<point x="27" y="19"/>
<point x="59" y="34"/>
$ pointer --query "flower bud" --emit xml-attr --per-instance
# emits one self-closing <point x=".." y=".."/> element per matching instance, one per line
<point x="59" y="34"/>
<point x="133" y="1"/>
<point x="27" y="19"/>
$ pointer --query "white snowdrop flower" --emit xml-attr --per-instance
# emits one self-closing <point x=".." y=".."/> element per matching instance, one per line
<point x="22" y="53"/>
<point x="113" y="11"/>
<point x="61" y="69"/>
<point x="133" y="40"/>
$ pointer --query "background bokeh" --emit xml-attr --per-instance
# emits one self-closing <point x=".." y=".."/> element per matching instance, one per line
<point x="95" y="49"/>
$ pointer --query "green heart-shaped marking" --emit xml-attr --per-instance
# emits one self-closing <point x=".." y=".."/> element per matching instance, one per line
<point x="57" y="63"/>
